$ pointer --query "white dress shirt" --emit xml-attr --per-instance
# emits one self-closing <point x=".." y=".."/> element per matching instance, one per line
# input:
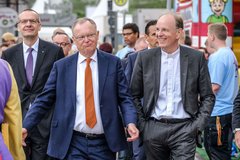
<point x="80" y="119"/>
<point x="169" y="103"/>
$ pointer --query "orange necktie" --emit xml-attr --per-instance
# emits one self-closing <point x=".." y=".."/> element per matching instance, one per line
<point x="91" y="119"/>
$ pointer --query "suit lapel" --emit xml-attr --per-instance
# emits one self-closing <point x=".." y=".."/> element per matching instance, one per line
<point x="40" y="57"/>
<point x="71" y="73"/>
<point x="20" y="62"/>
<point x="157" y="68"/>
<point x="102" y="71"/>
<point x="183" y="70"/>
<point x="156" y="58"/>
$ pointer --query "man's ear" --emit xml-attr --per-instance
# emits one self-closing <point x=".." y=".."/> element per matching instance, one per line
<point x="180" y="33"/>
<point x="212" y="36"/>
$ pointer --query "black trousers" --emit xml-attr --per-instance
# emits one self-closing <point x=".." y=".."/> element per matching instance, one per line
<point x="36" y="148"/>
<point x="167" y="141"/>
<point x="215" y="151"/>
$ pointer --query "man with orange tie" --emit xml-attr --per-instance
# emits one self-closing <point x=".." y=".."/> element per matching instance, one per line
<point x="89" y="90"/>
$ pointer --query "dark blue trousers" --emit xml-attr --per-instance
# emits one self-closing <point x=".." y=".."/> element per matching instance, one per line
<point x="82" y="148"/>
<point x="215" y="151"/>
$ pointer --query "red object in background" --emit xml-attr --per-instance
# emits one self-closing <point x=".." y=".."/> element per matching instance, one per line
<point x="199" y="29"/>
<point x="236" y="37"/>
<point x="236" y="11"/>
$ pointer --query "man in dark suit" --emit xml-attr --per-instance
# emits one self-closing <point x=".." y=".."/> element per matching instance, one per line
<point x="171" y="79"/>
<point x="32" y="62"/>
<point x="73" y="134"/>
<point x="151" y="40"/>
<point x="140" y="44"/>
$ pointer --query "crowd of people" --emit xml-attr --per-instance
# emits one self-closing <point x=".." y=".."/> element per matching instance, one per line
<point x="152" y="100"/>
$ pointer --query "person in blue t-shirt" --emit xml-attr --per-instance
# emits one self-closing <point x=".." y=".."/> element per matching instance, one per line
<point x="222" y="66"/>
<point x="130" y="34"/>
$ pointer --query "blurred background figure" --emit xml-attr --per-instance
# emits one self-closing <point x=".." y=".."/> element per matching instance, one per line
<point x="204" y="50"/>
<point x="58" y="30"/>
<point x="130" y="34"/>
<point x="147" y="42"/>
<point x="188" y="41"/>
<point x="150" y="34"/>
<point x="140" y="44"/>
<point x="222" y="66"/>
<point x="182" y="38"/>
<point x="3" y="47"/>
<point x="185" y="39"/>
<point x="61" y="39"/>
<point x="209" y="49"/>
<point x="9" y="39"/>
<point x="107" y="47"/>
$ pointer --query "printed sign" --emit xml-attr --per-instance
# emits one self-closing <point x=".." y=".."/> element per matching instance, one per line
<point x="8" y="17"/>
<point x="120" y="5"/>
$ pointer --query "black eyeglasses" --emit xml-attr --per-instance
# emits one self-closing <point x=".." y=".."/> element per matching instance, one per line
<point x="62" y="44"/>
<point x="31" y="21"/>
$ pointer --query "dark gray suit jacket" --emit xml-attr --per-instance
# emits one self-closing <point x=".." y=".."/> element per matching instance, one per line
<point x="195" y="83"/>
<point x="48" y="53"/>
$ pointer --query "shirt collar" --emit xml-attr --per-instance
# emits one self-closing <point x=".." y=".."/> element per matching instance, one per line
<point x="34" y="46"/>
<point x="81" y="58"/>
<point x="175" y="53"/>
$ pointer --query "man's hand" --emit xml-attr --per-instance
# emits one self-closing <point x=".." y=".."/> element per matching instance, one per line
<point x="133" y="132"/>
<point x="24" y="136"/>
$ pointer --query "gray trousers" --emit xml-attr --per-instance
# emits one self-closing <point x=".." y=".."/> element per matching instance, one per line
<point x="174" y="140"/>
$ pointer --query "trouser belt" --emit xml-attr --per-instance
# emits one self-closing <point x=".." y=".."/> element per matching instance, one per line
<point x="170" y="120"/>
<point x="89" y="135"/>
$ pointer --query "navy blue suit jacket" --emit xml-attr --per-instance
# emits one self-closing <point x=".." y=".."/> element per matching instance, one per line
<point x="129" y="65"/>
<point x="61" y="89"/>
